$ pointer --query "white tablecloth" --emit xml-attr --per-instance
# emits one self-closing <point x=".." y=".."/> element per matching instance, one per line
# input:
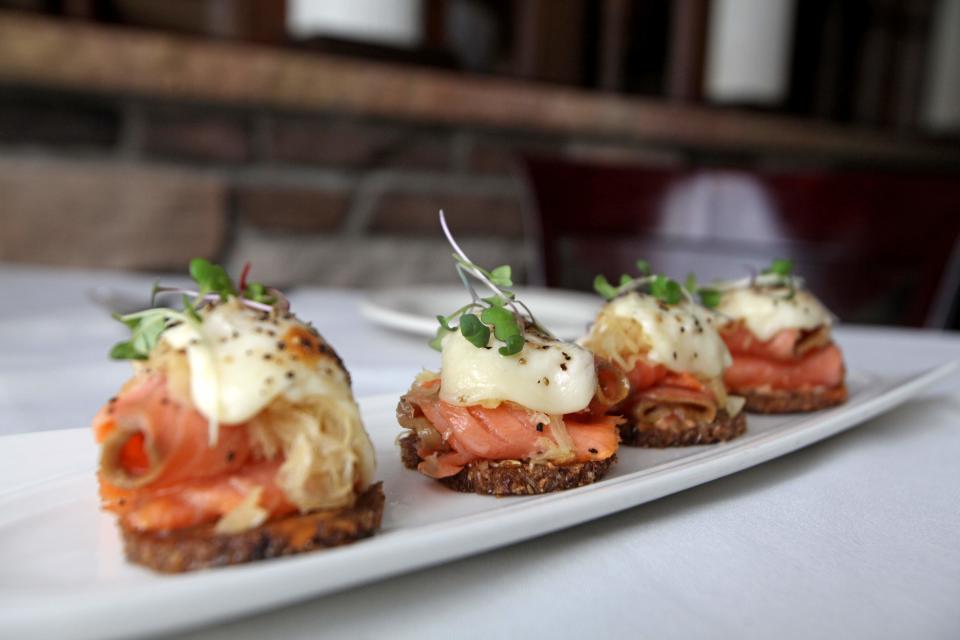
<point x="856" y="536"/>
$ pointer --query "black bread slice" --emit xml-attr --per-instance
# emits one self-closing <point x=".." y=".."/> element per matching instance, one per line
<point x="201" y="547"/>
<point x="635" y="433"/>
<point x="780" y="401"/>
<point x="512" y="477"/>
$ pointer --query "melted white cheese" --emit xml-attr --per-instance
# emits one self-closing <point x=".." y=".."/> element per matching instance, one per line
<point x="682" y="337"/>
<point x="766" y="310"/>
<point x="547" y="375"/>
<point x="237" y="367"/>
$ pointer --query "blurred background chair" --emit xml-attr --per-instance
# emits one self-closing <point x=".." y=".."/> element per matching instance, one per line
<point x="878" y="247"/>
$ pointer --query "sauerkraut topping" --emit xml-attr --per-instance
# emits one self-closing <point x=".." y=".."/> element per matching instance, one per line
<point x="327" y="456"/>
<point x="560" y="448"/>
<point x="682" y="337"/>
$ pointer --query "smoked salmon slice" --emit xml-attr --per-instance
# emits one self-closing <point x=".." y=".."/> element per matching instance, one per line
<point x="206" y="500"/>
<point x="152" y="439"/>
<point x="657" y="383"/>
<point x="505" y="432"/>
<point x="741" y="341"/>
<point x="820" y="368"/>
<point x="159" y="472"/>
<point x="791" y="360"/>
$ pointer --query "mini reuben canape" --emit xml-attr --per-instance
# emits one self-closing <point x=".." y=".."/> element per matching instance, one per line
<point x="669" y="349"/>
<point x="237" y="438"/>
<point x="784" y="356"/>
<point x="513" y="410"/>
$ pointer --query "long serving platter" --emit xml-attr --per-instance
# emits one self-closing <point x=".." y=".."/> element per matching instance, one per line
<point x="62" y="572"/>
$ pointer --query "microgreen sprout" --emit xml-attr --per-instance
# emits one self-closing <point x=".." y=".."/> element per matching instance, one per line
<point x="145" y="329"/>
<point x="778" y="275"/>
<point x="780" y="267"/>
<point x="708" y="296"/>
<point x="502" y="313"/>
<point x="212" y="278"/>
<point x="658" y="285"/>
<point x="213" y="285"/>
<point x="257" y="292"/>
<point x="666" y="289"/>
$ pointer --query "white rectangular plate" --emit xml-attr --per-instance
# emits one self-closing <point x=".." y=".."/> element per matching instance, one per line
<point x="62" y="572"/>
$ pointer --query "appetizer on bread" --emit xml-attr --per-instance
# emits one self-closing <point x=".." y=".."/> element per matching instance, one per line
<point x="784" y="357"/>
<point x="668" y="348"/>
<point x="237" y="438"/>
<point x="513" y="410"/>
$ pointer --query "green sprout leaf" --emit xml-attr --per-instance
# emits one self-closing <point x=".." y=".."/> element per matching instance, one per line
<point x="783" y="269"/>
<point x="444" y="328"/>
<point x="147" y="332"/>
<point x="710" y="298"/>
<point x="145" y="329"/>
<point x="211" y="278"/>
<point x="602" y="286"/>
<point x="691" y="282"/>
<point x="780" y="267"/>
<point x="257" y="292"/>
<point x="497" y="312"/>
<point x="627" y="282"/>
<point x="666" y="290"/>
<point x="442" y="331"/>
<point x="502" y="276"/>
<point x="513" y="345"/>
<point x="126" y="351"/>
<point x="504" y="323"/>
<point x="475" y="332"/>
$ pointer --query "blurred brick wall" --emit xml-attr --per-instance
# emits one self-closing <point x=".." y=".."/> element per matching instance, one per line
<point x="127" y="182"/>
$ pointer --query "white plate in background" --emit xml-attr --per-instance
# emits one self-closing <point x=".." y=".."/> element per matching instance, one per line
<point x="62" y="572"/>
<point x="415" y="309"/>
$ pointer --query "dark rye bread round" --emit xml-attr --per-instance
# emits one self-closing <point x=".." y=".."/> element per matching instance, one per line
<point x="779" y="401"/>
<point x="200" y="547"/>
<point x="725" y="427"/>
<point x="513" y="477"/>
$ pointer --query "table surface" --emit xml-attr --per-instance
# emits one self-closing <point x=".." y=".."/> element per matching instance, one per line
<point x="855" y="535"/>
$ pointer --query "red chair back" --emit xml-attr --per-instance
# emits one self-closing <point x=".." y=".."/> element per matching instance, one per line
<point x="878" y="247"/>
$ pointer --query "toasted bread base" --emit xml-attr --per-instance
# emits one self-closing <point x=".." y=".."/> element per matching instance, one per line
<point x="512" y="477"/>
<point x="200" y="547"/>
<point x="780" y="401"/>
<point x="725" y="427"/>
